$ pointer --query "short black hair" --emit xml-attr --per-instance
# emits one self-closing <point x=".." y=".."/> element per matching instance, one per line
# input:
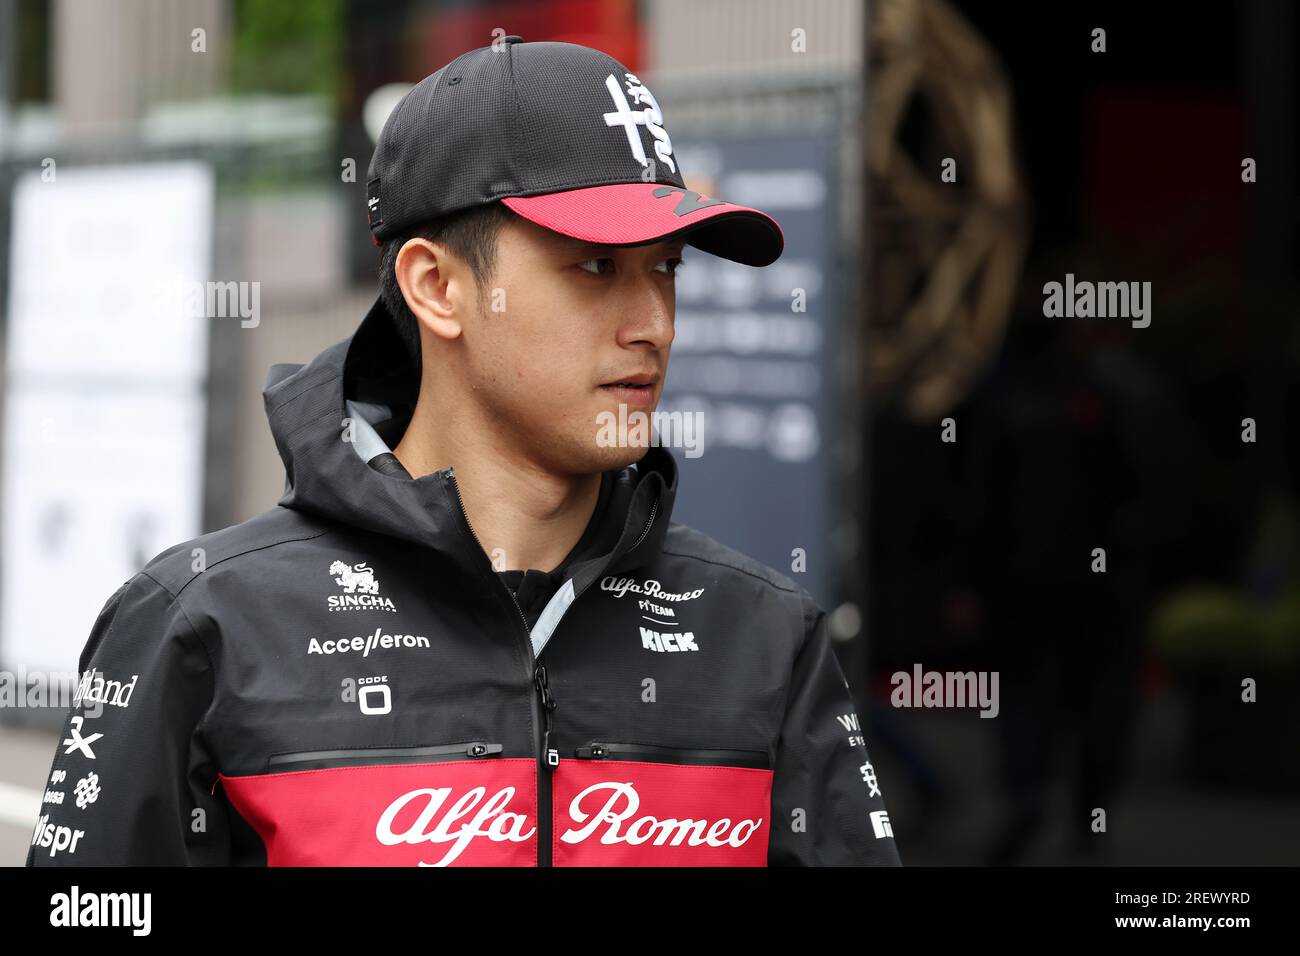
<point x="469" y="233"/>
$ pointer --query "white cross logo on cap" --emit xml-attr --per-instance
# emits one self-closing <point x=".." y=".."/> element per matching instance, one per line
<point x="650" y="117"/>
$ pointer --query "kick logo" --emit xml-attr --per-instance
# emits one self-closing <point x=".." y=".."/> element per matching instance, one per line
<point x="360" y="589"/>
<point x="655" y="641"/>
<point x="652" y="118"/>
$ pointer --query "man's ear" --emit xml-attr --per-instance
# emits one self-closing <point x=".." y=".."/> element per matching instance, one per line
<point x="434" y="283"/>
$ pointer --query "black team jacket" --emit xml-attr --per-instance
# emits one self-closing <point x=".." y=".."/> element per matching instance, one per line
<point x="345" y="679"/>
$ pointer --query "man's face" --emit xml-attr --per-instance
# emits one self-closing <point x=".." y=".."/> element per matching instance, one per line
<point x="563" y="322"/>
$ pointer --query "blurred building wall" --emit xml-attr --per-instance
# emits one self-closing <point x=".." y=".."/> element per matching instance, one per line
<point x="292" y="332"/>
<point x="686" y="37"/>
<point x="114" y="60"/>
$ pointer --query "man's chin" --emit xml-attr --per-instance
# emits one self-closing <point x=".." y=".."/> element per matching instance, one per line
<point x="622" y="435"/>
<point x="616" y="458"/>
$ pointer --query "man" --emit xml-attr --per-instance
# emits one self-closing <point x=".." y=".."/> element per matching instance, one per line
<point x="382" y="670"/>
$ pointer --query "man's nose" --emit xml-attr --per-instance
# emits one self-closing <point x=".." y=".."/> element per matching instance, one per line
<point x="648" y="316"/>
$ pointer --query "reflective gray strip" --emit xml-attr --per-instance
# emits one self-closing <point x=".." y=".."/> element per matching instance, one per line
<point x="367" y="443"/>
<point x="550" y="617"/>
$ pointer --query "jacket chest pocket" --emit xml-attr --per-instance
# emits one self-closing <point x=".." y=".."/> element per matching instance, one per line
<point x="653" y="753"/>
<point x="439" y="805"/>
<point x="374" y="756"/>
<point x="633" y="804"/>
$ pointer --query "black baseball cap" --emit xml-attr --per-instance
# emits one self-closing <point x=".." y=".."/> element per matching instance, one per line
<point x="565" y="136"/>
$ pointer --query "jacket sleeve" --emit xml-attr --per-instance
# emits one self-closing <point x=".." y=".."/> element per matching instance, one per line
<point x="130" y="782"/>
<point x="827" y="805"/>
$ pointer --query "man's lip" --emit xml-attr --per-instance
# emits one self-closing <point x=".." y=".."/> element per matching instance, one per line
<point x="645" y="378"/>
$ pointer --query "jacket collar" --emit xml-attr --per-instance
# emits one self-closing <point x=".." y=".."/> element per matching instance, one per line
<point x="327" y="453"/>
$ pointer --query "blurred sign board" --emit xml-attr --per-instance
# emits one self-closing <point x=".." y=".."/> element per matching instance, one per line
<point x="753" y="356"/>
<point x="106" y="357"/>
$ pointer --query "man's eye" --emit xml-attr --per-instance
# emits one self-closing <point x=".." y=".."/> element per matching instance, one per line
<point x="583" y="265"/>
<point x="594" y="266"/>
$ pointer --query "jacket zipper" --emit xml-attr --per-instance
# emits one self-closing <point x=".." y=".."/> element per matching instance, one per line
<point x="600" y="750"/>
<point x="370" y="756"/>
<point x="654" y="506"/>
<point x="543" y="704"/>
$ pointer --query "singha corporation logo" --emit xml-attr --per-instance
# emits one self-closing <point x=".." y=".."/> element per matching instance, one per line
<point x="353" y="578"/>
<point x="360" y="589"/>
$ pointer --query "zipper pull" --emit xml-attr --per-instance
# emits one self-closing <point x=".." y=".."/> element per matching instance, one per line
<point x="552" y="755"/>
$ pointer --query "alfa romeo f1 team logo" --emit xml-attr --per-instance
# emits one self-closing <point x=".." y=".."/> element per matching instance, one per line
<point x="649" y="588"/>
<point x="651" y="118"/>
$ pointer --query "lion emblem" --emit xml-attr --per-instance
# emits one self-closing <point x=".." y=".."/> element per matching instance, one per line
<point x="354" y="578"/>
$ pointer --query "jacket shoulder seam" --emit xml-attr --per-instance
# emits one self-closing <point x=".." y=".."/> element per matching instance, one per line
<point x="261" y="547"/>
<point x="170" y="593"/>
<point x="180" y="606"/>
<point x="212" y="669"/>
<point x="212" y="666"/>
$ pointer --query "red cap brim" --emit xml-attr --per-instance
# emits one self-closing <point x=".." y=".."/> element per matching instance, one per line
<point x="628" y="214"/>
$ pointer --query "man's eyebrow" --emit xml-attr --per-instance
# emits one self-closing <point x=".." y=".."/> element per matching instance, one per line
<point x="571" y="243"/>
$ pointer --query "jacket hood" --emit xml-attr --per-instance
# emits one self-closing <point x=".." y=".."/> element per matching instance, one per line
<point x="338" y="472"/>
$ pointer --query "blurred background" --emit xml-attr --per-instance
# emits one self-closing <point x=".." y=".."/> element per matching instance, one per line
<point x="930" y="454"/>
